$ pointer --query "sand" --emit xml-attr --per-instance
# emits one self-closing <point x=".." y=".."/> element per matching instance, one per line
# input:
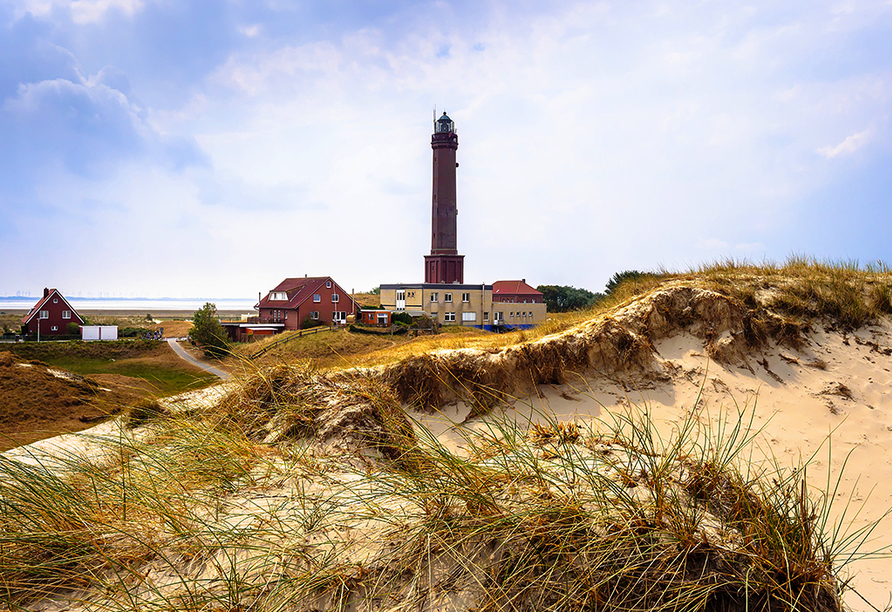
<point x="829" y="398"/>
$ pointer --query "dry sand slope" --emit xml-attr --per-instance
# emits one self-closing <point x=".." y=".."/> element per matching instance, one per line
<point x="676" y="352"/>
<point x="827" y="393"/>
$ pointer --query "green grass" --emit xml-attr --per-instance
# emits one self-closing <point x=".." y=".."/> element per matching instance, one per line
<point x="165" y="379"/>
<point x="148" y="360"/>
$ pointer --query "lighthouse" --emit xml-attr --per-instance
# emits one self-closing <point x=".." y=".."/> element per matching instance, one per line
<point x="444" y="264"/>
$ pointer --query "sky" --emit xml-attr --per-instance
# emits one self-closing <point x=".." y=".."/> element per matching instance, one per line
<point x="213" y="148"/>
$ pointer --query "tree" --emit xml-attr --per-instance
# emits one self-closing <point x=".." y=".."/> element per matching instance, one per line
<point x="208" y="333"/>
<point x="562" y="298"/>
<point x="621" y="277"/>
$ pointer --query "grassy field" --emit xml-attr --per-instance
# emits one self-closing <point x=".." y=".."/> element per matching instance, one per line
<point x="148" y="360"/>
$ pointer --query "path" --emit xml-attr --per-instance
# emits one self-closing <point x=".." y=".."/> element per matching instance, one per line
<point x="179" y="350"/>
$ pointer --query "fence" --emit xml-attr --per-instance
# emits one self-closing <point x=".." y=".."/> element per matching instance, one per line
<point x="299" y="334"/>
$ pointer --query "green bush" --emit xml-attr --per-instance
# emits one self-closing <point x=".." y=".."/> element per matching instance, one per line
<point x="208" y="333"/>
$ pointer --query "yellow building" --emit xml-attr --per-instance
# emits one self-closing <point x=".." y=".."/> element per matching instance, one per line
<point x="468" y="305"/>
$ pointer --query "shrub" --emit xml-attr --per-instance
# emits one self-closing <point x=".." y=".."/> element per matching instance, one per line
<point x="208" y="333"/>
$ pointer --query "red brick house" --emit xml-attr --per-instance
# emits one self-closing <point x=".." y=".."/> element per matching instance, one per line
<point x="50" y="316"/>
<point x="297" y="300"/>
<point x="516" y="292"/>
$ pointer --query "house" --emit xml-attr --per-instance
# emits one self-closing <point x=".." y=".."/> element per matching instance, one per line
<point x="377" y="318"/>
<point x="298" y="302"/>
<point x="51" y="316"/>
<point x="517" y="305"/>
<point x="448" y="304"/>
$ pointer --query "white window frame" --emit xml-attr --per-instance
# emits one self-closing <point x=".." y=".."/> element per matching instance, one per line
<point x="449" y="317"/>
<point x="328" y="284"/>
<point x="486" y="316"/>
<point x="465" y="297"/>
<point x="44" y="314"/>
<point x="55" y="300"/>
<point x="66" y="314"/>
<point x="314" y="314"/>
<point x="335" y="298"/>
<point x="498" y="316"/>
<point x="447" y="297"/>
<point x="54" y="328"/>
<point x="435" y="297"/>
<point x="467" y="317"/>
<point x="317" y="298"/>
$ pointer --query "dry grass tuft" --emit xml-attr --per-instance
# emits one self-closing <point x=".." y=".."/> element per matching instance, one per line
<point x="547" y="517"/>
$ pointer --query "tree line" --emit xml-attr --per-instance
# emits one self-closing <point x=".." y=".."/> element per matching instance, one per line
<point x="564" y="298"/>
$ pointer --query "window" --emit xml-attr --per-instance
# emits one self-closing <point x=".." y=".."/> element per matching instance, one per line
<point x="55" y="300"/>
<point x="449" y="316"/>
<point x="314" y="314"/>
<point x="466" y="297"/>
<point x="44" y="314"/>
<point x="66" y="314"/>
<point x="499" y="316"/>
<point x="328" y="284"/>
<point x="447" y="297"/>
<point x="55" y="328"/>
<point x="531" y="313"/>
<point x="278" y="296"/>
<point x="486" y="316"/>
<point x="469" y="316"/>
<point x="335" y="297"/>
<point x="317" y="298"/>
<point x="435" y="297"/>
<point x="411" y="294"/>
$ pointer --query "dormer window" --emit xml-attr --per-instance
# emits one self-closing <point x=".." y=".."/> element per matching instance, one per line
<point x="277" y="296"/>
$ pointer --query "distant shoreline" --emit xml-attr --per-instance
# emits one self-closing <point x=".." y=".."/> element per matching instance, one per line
<point x="135" y="305"/>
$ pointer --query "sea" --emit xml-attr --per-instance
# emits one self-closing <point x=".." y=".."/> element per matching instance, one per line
<point x="146" y="305"/>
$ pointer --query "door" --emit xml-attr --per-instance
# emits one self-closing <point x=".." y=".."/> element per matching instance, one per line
<point x="401" y="299"/>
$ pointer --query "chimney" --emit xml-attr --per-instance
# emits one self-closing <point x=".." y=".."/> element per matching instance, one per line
<point x="46" y="291"/>
<point x="524" y="281"/>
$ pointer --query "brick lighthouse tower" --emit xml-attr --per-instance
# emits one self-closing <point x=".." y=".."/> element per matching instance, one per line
<point x="444" y="264"/>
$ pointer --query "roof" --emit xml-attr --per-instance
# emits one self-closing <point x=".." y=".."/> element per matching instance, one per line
<point x="43" y="301"/>
<point x="513" y="287"/>
<point x="297" y="290"/>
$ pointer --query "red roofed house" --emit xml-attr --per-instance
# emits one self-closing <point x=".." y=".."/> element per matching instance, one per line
<point x="296" y="300"/>
<point x="517" y="304"/>
<point x="51" y="316"/>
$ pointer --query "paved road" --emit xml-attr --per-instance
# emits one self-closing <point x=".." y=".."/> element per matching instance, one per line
<point x="179" y="350"/>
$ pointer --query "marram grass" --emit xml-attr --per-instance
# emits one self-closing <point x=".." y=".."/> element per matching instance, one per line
<point x="549" y="516"/>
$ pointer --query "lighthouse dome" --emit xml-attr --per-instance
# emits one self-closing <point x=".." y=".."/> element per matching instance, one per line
<point x="445" y="124"/>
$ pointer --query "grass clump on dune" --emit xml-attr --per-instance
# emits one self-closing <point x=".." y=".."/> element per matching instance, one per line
<point x="202" y="514"/>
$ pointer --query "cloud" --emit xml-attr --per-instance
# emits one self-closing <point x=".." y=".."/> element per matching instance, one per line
<point x="87" y="126"/>
<point x="82" y="11"/>
<point x="847" y="146"/>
